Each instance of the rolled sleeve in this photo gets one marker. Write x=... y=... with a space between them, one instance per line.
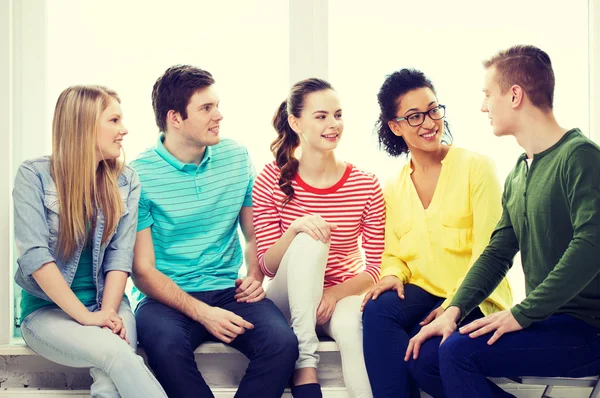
x=119 y=253
x=31 y=225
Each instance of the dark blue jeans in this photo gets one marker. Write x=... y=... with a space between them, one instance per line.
x=388 y=324
x=169 y=339
x=559 y=346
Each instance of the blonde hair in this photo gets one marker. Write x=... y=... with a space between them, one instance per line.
x=83 y=184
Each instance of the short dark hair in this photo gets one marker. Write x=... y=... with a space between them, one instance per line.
x=394 y=87
x=173 y=90
x=528 y=67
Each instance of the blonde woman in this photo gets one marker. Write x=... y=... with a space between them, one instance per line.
x=75 y=224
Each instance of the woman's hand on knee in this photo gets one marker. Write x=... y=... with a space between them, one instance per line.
x=315 y=226
x=390 y=282
x=326 y=307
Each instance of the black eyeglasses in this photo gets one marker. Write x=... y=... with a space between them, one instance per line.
x=417 y=118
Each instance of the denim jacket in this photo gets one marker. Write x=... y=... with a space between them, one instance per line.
x=36 y=229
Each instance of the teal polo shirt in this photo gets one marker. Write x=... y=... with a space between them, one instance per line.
x=193 y=213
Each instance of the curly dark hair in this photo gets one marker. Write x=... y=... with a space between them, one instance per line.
x=394 y=87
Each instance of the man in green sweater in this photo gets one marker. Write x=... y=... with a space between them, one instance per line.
x=551 y=213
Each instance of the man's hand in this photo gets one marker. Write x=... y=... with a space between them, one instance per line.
x=249 y=290
x=433 y=315
x=443 y=326
x=223 y=324
x=500 y=323
x=326 y=307
x=390 y=282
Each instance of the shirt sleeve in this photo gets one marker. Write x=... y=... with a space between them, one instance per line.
x=492 y=265
x=579 y=264
x=145 y=219
x=32 y=235
x=267 y=220
x=373 y=227
x=486 y=205
x=251 y=177
x=391 y=263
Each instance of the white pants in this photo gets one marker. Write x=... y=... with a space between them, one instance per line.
x=297 y=290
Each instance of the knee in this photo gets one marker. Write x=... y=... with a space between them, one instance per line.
x=346 y=329
x=427 y=363
x=307 y=245
x=284 y=347
x=382 y=308
x=118 y=356
x=454 y=350
x=161 y=343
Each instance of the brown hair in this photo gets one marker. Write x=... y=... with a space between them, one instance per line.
x=173 y=90
x=83 y=185
x=287 y=140
x=528 y=67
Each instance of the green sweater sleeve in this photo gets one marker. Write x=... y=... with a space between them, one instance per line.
x=579 y=264
x=491 y=267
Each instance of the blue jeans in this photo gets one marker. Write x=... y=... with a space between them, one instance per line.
x=169 y=339
x=559 y=346
x=115 y=367
x=388 y=324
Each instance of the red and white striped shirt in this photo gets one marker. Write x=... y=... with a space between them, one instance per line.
x=355 y=204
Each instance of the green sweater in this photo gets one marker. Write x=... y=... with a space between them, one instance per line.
x=551 y=212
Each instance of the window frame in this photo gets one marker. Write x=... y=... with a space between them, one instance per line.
x=23 y=76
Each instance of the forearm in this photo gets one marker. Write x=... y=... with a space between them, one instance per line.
x=251 y=257
x=54 y=285
x=161 y=288
x=487 y=272
x=275 y=253
x=453 y=313
x=356 y=285
x=114 y=287
x=570 y=276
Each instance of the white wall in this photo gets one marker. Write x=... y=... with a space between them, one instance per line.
x=5 y=167
x=353 y=45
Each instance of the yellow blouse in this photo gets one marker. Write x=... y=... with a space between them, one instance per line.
x=434 y=248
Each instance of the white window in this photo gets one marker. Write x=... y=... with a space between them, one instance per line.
x=255 y=48
x=448 y=41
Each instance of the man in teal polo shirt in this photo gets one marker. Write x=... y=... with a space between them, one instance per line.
x=551 y=214
x=196 y=190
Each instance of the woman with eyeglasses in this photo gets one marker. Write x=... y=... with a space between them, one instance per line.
x=440 y=212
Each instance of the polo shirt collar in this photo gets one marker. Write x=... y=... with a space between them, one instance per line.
x=173 y=161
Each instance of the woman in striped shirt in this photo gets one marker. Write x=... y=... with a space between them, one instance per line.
x=312 y=215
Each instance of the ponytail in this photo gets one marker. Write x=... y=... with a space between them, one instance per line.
x=283 y=149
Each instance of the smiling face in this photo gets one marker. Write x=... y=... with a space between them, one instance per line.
x=110 y=132
x=320 y=125
x=426 y=137
x=201 y=127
